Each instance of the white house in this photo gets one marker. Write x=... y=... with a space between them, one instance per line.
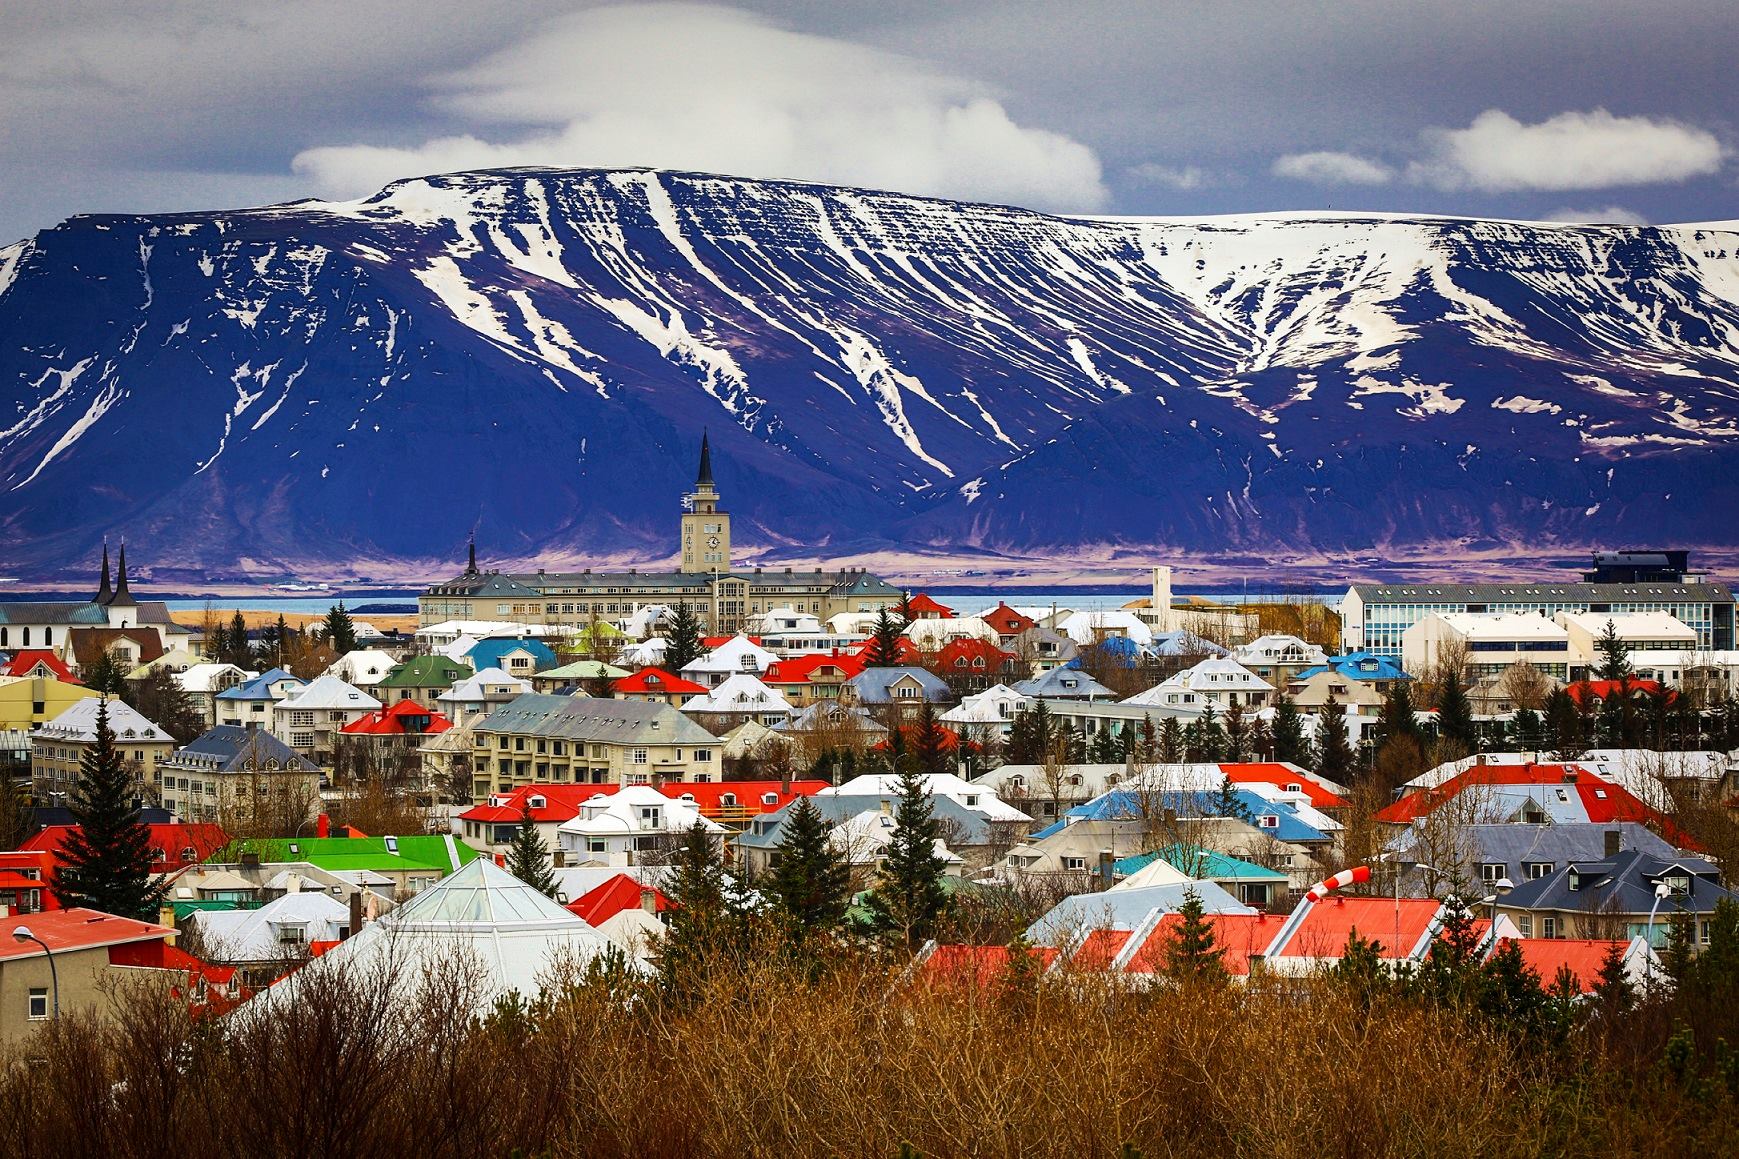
x=1090 y=627
x=633 y=824
x=1277 y=658
x=481 y=692
x=738 y=654
x=281 y=930
x=309 y=720
x=203 y=682
x=983 y=713
x=364 y=667
x=1487 y=643
x=1219 y=681
x=740 y=695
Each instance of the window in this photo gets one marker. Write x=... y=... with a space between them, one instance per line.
x=597 y=845
x=1492 y=871
x=1548 y=927
x=1295 y=787
x=638 y=756
x=1074 y=863
x=1525 y=925
x=289 y=935
x=38 y=1003
x=703 y=754
x=1537 y=869
x=301 y=740
x=1678 y=883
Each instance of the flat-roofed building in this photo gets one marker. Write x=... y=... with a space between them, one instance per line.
x=1485 y=643
x=1655 y=641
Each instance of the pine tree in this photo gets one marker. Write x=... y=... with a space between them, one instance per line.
x=1291 y=746
x=1229 y=804
x=17 y=823
x=159 y=698
x=884 y=645
x=1397 y=715
x=236 y=649
x=909 y=899
x=930 y=742
x=706 y=926
x=1103 y=749
x=1237 y=735
x=340 y=632
x=1261 y=740
x=106 y=675
x=1565 y=726
x=810 y=886
x=1334 y=752
x=1148 y=750
x=682 y=640
x=1614 y=655
x=1529 y=730
x=528 y=857
x=1171 y=741
x=106 y=859
x=1192 y=956
x=1455 y=715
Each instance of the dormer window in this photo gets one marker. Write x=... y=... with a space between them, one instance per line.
x=1294 y=787
x=1678 y=883
x=1268 y=821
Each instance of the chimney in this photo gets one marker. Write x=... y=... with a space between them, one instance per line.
x=1480 y=759
x=250 y=860
x=1614 y=841
x=323 y=826
x=354 y=926
x=649 y=899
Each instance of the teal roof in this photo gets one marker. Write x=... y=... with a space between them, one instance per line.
x=1198 y=862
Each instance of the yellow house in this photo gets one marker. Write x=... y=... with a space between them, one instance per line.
x=31 y=701
x=57 y=748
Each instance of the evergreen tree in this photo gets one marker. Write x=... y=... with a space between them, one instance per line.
x=1229 y=804
x=1237 y=735
x=930 y=742
x=159 y=698
x=340 y=632
x=106 y=675
x=1334 y=752
x=236 y=649
x=1614 y=655
x=1455 y=715
x=1192 y=956
x=1148 y=750
x=1397 y=715
x=1104 y=749
x=810 y=886
x=1291 y=746
x=884 y=644
x=909 y=900
x=682 y=640
x=1530 y=731
x=706 y=926
x=17 y=824
x=528 y=857
x=1204 y=739
x=1261 y=740
x=1171 y=741
x=106 y=860
x=1565 y=726
x=903 y=609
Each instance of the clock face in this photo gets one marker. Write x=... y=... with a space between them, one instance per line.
x=713 y=542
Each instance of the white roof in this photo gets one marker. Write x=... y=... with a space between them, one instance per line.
x=1501 y=626
x=364 y=667
x=1215 y=674
x=327 y=692
x=739 y=693
x=489 y=682
x=459 y=648
x=931 y=635
x=1633 y=625
x=645 y=618
x=1159 y=871
x=1277 y=647
x=202 y=677
x=863 y=836
x=484 y=628
x=1086 y=627
x=252 y=935
x=984 y=707
x=853 y=623
x=646 y=654
x=738 y=654
x=78 y=722
x=618 y=814
x=983 y=798
x=776 y=621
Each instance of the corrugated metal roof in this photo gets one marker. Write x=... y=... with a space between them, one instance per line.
x=585 y=718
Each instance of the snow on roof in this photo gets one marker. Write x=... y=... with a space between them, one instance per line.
x=489 y=682
x=736 y=654
x=363 y=667
x=1086 y=627
x=78 y=722
x=619 y=813
x=203 y=677
x=329 y=692
x=739 y=693
x=1501 y=625
x=979 y=798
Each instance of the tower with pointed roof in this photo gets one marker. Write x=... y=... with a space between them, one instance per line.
x=104 y=593
x=123 y=608
x=706 y=529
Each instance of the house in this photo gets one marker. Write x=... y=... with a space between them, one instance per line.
x=245 y=774
x=1630 y=894
x=975 y=967
x=1277 y=658
x=389 y=736
x=1243 y=938
x=628 y=912
x=174 y=846
x=827 y=724
x=24 y=878
x=483 y=693
x=1485 y=643
x=1252 y=884
x=862 y=840
x=1007 y=623
x=986 y=715
x=971 y=665
x=1584 y=959
x=37 y=664
x=1063 y=683
x=364 y=667
x=515 y=936
x=1047 y=791
x=656 y=686
x=28 y=702
x=922 y=607
x=814 y=678
x=279 y=935
x=131 y=647
x=738 y=698
x=311 y=719
x=1073 y=917
x=538 y=738
x=1504 y=692
x=902 y=690
x=1517 y=852
x=1654 y=641
x=1593 y=694
x=637 y=823
x=734 y=655
x=1218 y=681
x=92 y=953
x=1366 y=667
x=516 y=657
x=404 y=865
x=1317 y=932
x=58 y=747
x=204 y=682
x=251 y=702
x=1041 y=648
x=578 y=675
x=1490 y=793
x=422 y=678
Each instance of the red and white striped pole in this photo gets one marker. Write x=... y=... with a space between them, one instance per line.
x=1357 y=875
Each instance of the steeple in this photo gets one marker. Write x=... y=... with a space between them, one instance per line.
x=471 y=557
x=705 y=476
x=122 y=597
x=104 y=593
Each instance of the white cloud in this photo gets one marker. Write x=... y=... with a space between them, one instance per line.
x=1608 y=215
x=715 y=89
x=1573 y=150
x=1183 y=177
x=1328 y=168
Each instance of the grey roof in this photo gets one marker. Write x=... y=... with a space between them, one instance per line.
x=586 y=718
x=766 y=831
x=1064 y=684
x=871 y=685
x=1517 y=845
x=228 y=747
x=1126 y=908
x=549 y=583
x=863 y=584
x=826 y=714
x=1546 y=593
x=1622 y=884
x=68 y=612
x=486 y=584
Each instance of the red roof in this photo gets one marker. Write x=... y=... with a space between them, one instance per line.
x=619 y=893
x=922 y=605
x=170 y=841
x=712 y=642
x=25 y=659
x=905 y=651
x=1601 y=689
x=1098 y=948
x=656 y=681
x=406 y=718
x=78 y=929
x=1281 y=775
x=968 y=654
x=909 y=733
x=1604 y=801
x=12 y=881
x=802 y=669
x=1584 y=957
x=977 y=965
x=1007 y=621
x=1327 y=925
x=1242 y=936
x=749 y=796
x=26 y=870
x=562 y=802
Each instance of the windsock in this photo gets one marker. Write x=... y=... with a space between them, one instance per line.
x=1341 y=880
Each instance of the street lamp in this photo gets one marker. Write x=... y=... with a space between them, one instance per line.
x=22 y=934
x=1662 y=891
x=1396 y=858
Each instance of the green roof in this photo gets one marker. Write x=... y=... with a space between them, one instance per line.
x=583 y=670
x=426 y=672
x=1204 y=864
x=342 y=854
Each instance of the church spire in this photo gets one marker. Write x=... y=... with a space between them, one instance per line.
x=122 y=597
x=705 y=476
x=105 y=593
x=471 y=557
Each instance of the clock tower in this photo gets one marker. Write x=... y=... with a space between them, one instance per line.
x=706 y=530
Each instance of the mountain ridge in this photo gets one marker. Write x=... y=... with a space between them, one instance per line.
x=325 y=386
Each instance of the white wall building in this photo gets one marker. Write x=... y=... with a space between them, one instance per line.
x=629 y=826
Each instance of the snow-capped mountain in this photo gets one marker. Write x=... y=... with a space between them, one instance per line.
x=535 y=353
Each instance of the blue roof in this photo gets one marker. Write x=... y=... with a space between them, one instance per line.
x=1181 y=643
x=1120 y=804
x=259 y=688
x=1365 y=666
x=488 y=653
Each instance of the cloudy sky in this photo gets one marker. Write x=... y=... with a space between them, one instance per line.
x=1602 y=110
